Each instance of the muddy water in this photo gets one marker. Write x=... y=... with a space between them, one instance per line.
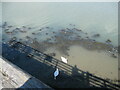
x=89 y=17
x=98 y=63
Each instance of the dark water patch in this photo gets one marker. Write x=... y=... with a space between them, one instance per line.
x=61 y=39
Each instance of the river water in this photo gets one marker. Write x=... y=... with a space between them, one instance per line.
x=90 y=17
x=98 y=63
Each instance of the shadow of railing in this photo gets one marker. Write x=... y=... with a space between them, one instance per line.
x=87 y=78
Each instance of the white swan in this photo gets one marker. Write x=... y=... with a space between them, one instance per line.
x=64 y=59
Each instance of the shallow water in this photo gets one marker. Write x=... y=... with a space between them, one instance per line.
x=90 y=17
x=98 y=63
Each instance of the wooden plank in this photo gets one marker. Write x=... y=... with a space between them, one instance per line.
x=14 y=77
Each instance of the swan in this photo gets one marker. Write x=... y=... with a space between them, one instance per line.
x=64 y=59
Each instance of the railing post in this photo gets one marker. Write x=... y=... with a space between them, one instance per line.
x=105 y=84
x=87 y=78
x=56 y=64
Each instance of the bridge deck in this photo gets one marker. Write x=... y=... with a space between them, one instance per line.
x=13 y=77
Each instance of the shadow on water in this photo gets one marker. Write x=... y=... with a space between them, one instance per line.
x=75 y=71
x=43 y=66
x=48 y=58
x=41 y=70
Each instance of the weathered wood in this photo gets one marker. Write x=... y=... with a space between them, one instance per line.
x=13 y=77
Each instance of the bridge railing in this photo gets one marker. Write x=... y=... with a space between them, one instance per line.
x=88 y=78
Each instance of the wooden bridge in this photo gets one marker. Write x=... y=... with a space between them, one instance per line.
x=75 y=73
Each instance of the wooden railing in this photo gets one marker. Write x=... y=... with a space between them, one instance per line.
x=88 y=78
